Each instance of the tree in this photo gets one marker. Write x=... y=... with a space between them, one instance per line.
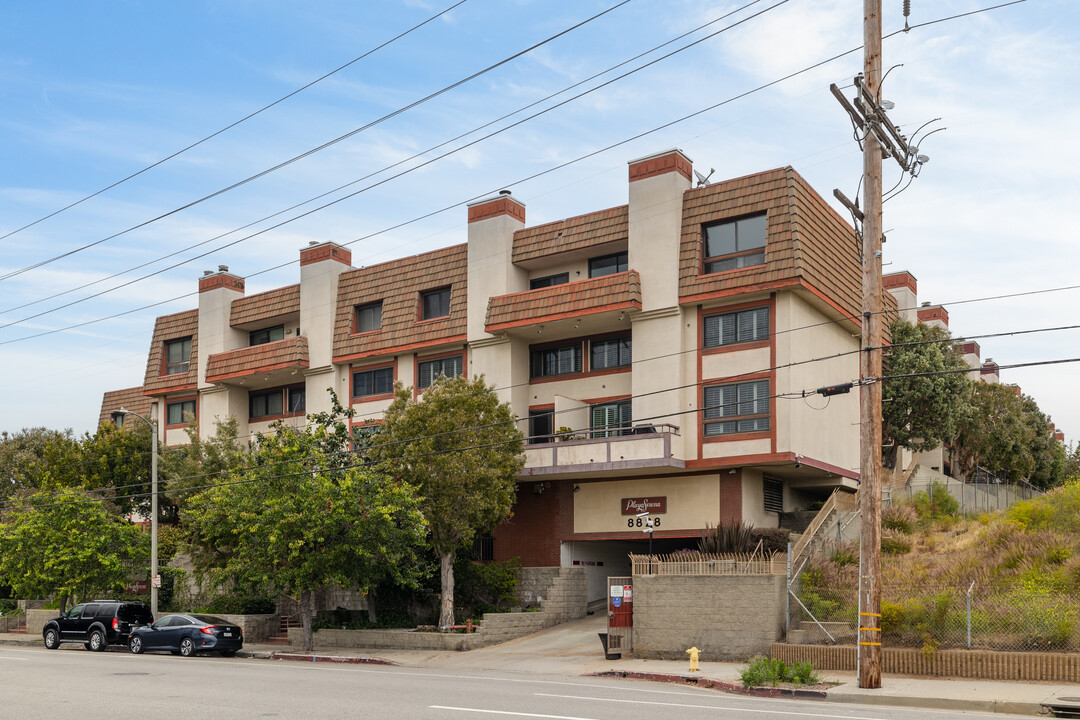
x=63 y=543
x=117 y=462
x=304 y=516
x=994 y=435
x=460 y=446
x=187 y=468
x=28 y=456
x=1050 y=464
x=920 y=413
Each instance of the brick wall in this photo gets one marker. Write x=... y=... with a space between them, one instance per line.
x=539 y=524
x=727 y=618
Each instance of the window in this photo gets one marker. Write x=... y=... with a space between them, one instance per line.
x=175 y=411
x=297 y=400
x=266 y=335
x=369 y=317
x=436 y=303
x=608 y=264
x=774 y=495
x=543 y=282
x=428 y=370
x=266 y=404
x=177 y=356
x=550 y=361
x=737 y=408
x=735 y=244
x=737 y=327
x=606 y=354
x=610 y=419
x=272 y=403
x=373 y=382
x=540 y=426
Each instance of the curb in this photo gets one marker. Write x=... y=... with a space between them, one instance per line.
x=304 y=657
x=735 y=688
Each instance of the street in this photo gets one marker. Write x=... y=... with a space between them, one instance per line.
x=117 y=685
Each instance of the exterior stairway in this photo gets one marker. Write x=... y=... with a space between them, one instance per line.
x=282 y=638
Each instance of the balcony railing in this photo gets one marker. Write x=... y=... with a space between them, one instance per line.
x=603 y=450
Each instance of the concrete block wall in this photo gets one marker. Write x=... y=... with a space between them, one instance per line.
x=533 y=584
x=567 y=596
x=36 y=619
x=256 y=628
x=731 y=617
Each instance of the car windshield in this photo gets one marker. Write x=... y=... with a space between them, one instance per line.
x=210 y=619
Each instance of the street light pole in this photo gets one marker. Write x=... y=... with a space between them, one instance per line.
x=153 y=508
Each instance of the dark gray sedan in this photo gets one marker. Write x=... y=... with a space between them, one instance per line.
x=186 y=635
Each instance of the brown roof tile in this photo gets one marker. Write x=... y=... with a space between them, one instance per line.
x=807 y=238
x=398 y=285
x=172 y=327
x=130 y=399
x=289 y=353
x=265 y=306
x=584 y=297
x=583 y=231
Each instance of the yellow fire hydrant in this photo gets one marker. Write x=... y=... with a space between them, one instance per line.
x=693 y=653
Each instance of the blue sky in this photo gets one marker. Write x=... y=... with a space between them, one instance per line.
x=94 y=91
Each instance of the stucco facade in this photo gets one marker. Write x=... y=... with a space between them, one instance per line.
x=665 y=349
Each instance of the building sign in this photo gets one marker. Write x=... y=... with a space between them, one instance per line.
x=633 y=506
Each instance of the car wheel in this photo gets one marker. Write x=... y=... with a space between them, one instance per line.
x=52 y=639
x=228 y=653
x=187 y=647
x=135 y=645
x=97 y=641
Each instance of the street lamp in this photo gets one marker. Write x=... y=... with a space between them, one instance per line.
x=153 y=508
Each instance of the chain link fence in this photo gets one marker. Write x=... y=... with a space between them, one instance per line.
x=989 y=494
x=1022 y=618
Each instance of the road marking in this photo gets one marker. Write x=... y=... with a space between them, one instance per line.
x=708 y=707
x=507 y=712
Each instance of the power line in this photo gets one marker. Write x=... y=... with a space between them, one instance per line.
x=389 y=167
x=314 y=150
x=224 y=129
x=457 y=204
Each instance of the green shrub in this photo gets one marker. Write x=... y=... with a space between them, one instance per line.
x=772 y=539
x=844 y=555
x=771 y=672
x=486 y=587
x=725 y=539
x=935 y=503
x=9 y=606
x=899 y=518
x=892 y=545
x=241 y=605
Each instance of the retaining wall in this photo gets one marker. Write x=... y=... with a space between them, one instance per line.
x=732 y=617
x=563 y=599
x=981 y=664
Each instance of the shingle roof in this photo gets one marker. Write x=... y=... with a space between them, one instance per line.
x=130 y=399
x=265 y=306
x=583 y=231
x=290 y=352
x=584 y=297
x=806 y=238
x=398 y=285
x=172 y=327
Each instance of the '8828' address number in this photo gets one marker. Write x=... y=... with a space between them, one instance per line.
x=638 y=522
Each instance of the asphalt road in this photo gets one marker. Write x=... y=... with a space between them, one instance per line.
x=74 y=683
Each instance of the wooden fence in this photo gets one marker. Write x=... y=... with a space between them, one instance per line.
x=688 y=564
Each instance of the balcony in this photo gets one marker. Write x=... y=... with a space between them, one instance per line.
x=596 y=298
x=584 y=452
x=263 y=365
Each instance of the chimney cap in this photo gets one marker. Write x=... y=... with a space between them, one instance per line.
x=505 y=192
x=207 y=272
x=312 y=243
x=223 y=268
x=926 y=303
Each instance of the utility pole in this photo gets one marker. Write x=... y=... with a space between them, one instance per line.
x=870 y=368
x=880 y=139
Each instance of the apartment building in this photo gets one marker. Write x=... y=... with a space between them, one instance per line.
x=656 y=353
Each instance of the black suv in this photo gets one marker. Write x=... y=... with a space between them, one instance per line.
x=97 y=624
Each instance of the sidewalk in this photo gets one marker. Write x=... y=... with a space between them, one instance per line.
x=573 y=649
